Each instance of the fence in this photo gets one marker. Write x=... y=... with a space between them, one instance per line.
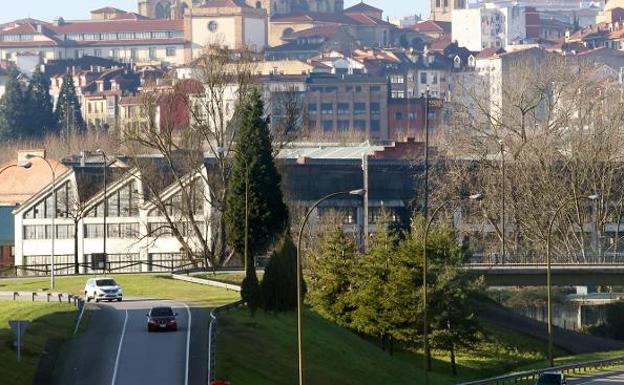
x=530 y=376
x=61 y=269
x=212 y=334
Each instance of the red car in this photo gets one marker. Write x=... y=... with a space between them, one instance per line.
x=161 y=318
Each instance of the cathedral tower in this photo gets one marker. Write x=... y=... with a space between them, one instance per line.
x=441 y=10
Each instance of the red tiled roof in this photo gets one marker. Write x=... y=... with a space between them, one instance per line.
x=326 y=31
x=104 y=26
x=17 y=184
x=129 y=16
x=489 y=52
x=173 y=41
x=364 y=19
x=431 y=26
x=362 y=7
x=440 y=44
x=313 y=17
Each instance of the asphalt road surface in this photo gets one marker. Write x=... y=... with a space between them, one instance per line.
x=605 y=378
x=116 y=348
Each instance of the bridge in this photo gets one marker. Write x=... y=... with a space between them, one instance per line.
x=568 y=274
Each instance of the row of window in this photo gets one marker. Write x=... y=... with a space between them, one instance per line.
x=330 y=89
x=114 y=230
x=343 y=108
x=345 y=125
x=145 y=35
x=46 y=231
x=45 y=208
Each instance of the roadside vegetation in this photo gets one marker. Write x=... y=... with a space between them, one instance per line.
x=134 y=285
x=52 y=324
x=336 y=355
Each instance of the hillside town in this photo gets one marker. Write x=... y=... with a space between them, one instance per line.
x=434 y=192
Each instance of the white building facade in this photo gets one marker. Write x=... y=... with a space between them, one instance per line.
x=139 y=236
x=489 y=26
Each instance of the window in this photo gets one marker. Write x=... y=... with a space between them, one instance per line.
x=93 y=230
x=397 y=94
x=375 y=108
x=152 y=53
x=411 y=116
x=171 y=51
x=398 y=116
x=358 y=88
x=133 y=53
x=423 y=78
x=397 y=79
x=35 y=232
x=375 y=126
x=312 y=108
x=97 y=53
x=328 y=125
x=343 y=125
x=343 y=108
x=375 y=88
x=360 y=124
x=212 y=26
x=359 y=108
x=327 y=109
x=331 y=89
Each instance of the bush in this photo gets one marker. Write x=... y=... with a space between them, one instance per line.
x=279 y=285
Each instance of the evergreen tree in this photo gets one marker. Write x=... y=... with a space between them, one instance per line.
x=279 y=284
x=268 y=214
x=332 y=276
x=14 y=122
x=40 y=105
x=68 y=115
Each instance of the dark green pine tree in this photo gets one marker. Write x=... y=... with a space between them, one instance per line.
x=268 y=214
x=279 y=284
x=42 y=119
x=14 y=122
x=68 y=116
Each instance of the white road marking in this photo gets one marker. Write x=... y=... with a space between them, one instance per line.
x=188 y=344
x=123 y=333
x=84 y=304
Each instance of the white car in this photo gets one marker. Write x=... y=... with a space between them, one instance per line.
x=103 y=289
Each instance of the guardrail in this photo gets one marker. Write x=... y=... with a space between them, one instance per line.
x=208 y=282
x=530 y=376
x=212 y=334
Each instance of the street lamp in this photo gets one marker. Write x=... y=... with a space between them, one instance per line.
x=359 y=192
x=426 y=365
x=222 y=150
x=563 y=204
x=28 y=165
x=502 y=151
x=426 y=203
x=105 y=232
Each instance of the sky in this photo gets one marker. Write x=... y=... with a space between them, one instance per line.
x=48 y=10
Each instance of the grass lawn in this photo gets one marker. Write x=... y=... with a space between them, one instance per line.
x=263 y=351
x=50 y=321
x=134 y=285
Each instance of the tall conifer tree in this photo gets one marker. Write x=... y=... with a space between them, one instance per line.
x=42 y=120
x=68 y=115
x=13 y=109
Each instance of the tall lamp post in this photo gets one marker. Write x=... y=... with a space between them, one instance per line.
x=425 y=290
x=426 y=203
x=502 y=151
x=222 y=150
x=359 y=192
x=105 y=232
x=563 y=204
x=53 y=236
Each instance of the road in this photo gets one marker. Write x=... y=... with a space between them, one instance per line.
x=605 y=378
x=116 y=348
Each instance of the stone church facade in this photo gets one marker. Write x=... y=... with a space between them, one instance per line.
x=175 y=9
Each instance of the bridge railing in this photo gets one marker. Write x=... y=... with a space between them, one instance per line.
x=530 y=376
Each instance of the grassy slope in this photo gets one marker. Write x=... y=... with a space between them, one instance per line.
x=50 y=321
x=134 y=285
x=263 y=351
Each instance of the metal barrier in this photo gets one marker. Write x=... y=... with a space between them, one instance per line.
x=530 y=376
x=212 y=334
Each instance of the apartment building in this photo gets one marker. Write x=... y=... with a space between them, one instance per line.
x=347 y=103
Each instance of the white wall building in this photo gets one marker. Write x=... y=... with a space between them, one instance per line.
x=139 y=237
x=489 y=26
